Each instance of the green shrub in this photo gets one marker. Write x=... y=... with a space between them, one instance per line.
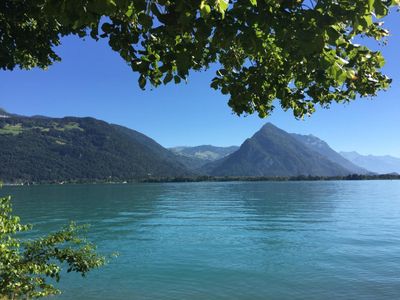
x=26 y=267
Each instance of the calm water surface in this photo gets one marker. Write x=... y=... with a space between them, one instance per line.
x=263 y=240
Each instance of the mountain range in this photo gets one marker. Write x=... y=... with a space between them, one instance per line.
x=43 y=149
x=195 y=157
x=385 y=164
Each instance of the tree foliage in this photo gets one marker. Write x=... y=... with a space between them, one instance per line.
x=27 y=266
x=300 y=52
x=48 y=150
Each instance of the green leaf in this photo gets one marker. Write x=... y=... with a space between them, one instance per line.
x=371 y=5
x=381 y=9
x=253 y=2
x=168 y=78
x=106 y=27
x=221 y=6
x=380 y=59
x=142 y=81
x=129 y=12
x=145 y=20
x=205 y=9
x=177 y=79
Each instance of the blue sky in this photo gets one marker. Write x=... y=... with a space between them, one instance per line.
x=93 y=81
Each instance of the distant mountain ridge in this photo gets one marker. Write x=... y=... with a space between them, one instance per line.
x=274 y=152
x=197 y=156
x=4 y=113
x=379 y=164
x=206 y=152
x=66 y=149
x=321 y=147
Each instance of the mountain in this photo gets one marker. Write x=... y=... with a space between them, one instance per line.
x=274 y=152
x=378 y=164
x=38 y=149
x=4 y=114
x=205 y=152
x=321 y=147
x=196 y=157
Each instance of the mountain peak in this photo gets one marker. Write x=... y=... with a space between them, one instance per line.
x=269 y=129
x=274 y=152
x=4 y=113
x=351 y=152
x=269 y=125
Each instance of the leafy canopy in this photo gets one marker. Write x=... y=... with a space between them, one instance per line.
x=26 y=267
x=298 y=52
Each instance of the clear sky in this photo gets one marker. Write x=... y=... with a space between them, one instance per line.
x=94 y=81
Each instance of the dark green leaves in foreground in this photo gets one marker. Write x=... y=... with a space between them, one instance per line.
x=26 y=267
x=299 y=52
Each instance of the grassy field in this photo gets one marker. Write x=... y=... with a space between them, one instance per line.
x=12 y=129
x=18 y=128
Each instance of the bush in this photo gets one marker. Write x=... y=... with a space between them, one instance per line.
x=27 y=266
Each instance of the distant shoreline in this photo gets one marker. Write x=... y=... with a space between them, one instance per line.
x=213 y=179
x=272 y=178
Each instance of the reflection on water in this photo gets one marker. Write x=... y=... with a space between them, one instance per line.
x=261 y=240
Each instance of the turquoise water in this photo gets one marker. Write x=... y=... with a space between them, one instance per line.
x=262 y=240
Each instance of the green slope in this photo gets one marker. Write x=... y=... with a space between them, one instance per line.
x=40 y=149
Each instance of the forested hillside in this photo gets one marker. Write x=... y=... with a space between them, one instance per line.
x=41 y=149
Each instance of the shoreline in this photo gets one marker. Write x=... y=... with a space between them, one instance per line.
x=212 y=179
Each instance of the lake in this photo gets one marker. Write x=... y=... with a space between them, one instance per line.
x=239 y=240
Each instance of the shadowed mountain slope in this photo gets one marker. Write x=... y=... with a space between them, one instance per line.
x=321 y=147
x=274 y=152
